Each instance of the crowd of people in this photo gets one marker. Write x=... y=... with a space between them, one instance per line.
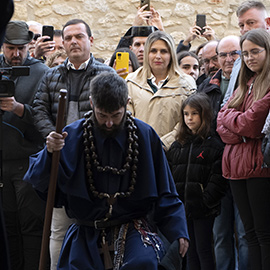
x=161 y=170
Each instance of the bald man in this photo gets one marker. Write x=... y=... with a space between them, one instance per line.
x=210 y=59
x=220 y=57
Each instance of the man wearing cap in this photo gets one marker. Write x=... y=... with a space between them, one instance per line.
x=136 y=35
x=23 y=209
x=135 y=39
x=7 y=10
x=139 y=35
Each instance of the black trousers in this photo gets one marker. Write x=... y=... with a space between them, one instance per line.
x=24 y=217
x=252 y=197
x=200 y=255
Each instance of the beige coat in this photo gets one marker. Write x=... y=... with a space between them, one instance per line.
x=161 y=110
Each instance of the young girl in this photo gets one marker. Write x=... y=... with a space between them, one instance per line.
x=195 y=162
x=239 y=124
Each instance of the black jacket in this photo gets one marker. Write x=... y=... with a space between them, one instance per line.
x=20 y=136
x=46 y=101
x=6 y=13
x=211 y=86
x=197 y=172
x=181 y=47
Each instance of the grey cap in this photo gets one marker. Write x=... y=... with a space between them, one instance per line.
x=17 y=33
x=142 y=31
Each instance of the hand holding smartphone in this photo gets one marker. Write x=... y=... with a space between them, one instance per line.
x=48 y=30
x=201 y=22
x=122 y=61
x=145 y=2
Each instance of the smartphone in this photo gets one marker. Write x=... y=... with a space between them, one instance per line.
x=144 y=2
x=122 y=61
x=201 y=21
x=48 y=30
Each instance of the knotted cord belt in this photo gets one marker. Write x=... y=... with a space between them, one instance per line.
x=101 y=224
x=117 y=248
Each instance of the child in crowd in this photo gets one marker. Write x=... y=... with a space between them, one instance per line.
x=239 y=125
x=195 y=162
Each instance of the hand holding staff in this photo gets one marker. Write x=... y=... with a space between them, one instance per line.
x=52 y=184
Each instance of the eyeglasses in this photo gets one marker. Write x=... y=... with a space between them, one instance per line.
x=232 y=54
x=206 y=61
x=253 y=52
x=36 y=36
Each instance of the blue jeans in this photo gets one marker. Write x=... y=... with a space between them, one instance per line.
x=224 y=229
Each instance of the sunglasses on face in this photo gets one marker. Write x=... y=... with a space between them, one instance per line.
x=36 y=36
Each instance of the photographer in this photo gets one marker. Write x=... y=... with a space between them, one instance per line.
x=7 y=11
x=23 y=209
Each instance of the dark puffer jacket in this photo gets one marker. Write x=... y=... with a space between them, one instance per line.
x=196 y=169
x=46 y=100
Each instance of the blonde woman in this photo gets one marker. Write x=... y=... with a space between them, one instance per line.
x=158 y=88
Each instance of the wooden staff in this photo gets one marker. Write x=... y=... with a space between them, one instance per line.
x=52 y=184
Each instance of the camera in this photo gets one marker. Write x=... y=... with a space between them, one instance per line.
x=7 y=87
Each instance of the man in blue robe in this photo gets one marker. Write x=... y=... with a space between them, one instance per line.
x=115 y=182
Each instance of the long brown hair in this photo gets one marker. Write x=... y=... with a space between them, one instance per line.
x=261 y=85
x=201 y=103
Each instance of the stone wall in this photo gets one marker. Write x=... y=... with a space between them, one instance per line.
x=110 y=19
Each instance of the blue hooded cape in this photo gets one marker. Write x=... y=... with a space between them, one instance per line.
x=154 y=192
